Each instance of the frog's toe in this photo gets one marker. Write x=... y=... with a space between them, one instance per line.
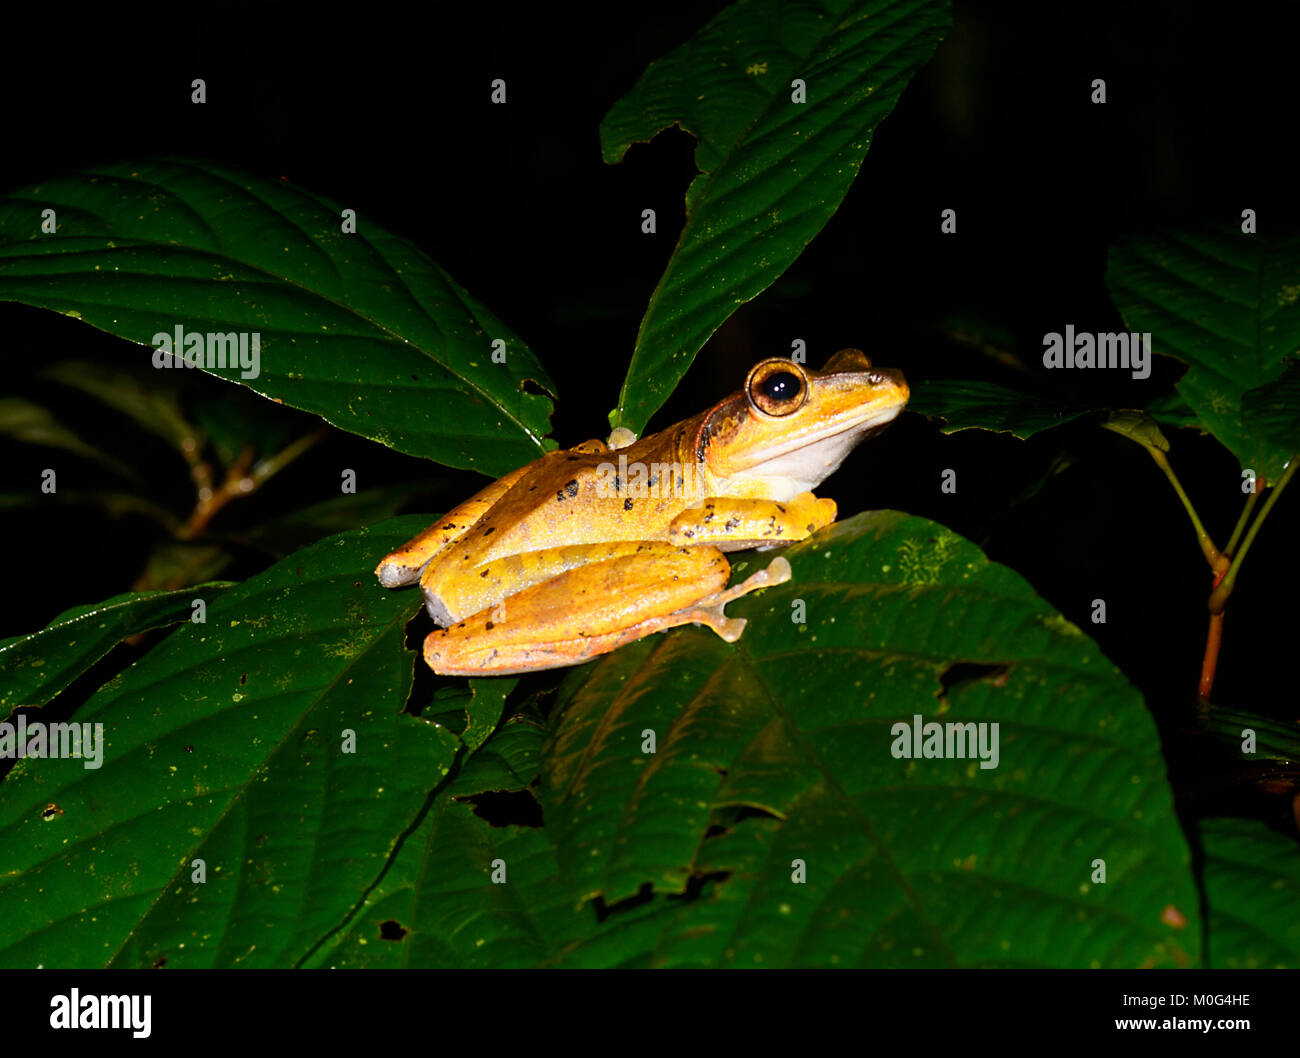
x=778 y=572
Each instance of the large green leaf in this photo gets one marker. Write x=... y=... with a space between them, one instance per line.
x=1252 y=888
x=38 y=666
x=777 y=749
x=363 y=329
x=1228 y=304
x=227 y=744
x=772 y=171
x=1273 y=410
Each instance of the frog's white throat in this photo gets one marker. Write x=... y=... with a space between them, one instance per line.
x=786 y=474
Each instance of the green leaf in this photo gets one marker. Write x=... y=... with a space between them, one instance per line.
x=971 y=405
x=1226 y=303
x=1252 y=887
x=482 y=702
x=776 y=751
x=363 y=329
x=1138 y=427
x=1274 y=740
x=151 y=407
x=306 y=525
x=1173 y=411
x=229 y=743
x=772 y=171
x=40 y=665
x=1273 y=410
x=508 y=761
x=31 y=424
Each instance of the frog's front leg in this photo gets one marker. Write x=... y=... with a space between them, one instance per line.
x=596 y=608
x=732 y=524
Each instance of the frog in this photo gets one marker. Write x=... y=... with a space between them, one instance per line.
x=587 y=549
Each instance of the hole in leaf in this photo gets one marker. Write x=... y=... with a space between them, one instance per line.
x=642 y=896
x=506 y=808
x=534 y=388
x=960 y=672
x=695 y=886
x=392 y=930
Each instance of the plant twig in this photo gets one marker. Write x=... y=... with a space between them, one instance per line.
x=1212 y=554
x=242 y=478
x=1224 y=587
x=1210 y=662
x=1240 y=527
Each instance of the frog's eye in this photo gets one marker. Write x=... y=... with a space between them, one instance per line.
x=777 y=387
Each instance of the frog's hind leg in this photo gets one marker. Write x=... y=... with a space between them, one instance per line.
x=596 y=608
x=709 y=611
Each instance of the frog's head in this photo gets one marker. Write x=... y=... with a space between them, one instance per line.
x=790 y=429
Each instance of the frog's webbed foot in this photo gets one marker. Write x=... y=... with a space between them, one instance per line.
x=710 y=610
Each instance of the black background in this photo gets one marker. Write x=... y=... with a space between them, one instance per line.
x=388 y=112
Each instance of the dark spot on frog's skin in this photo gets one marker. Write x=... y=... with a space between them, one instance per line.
x=780 y=508
x=681 y=484
x=708 y=518
x=489 y=626
x=485 y=573
x=243 y=679
x=532 y=488
x=618 y=483
x=627 y=505
x=688 y=533
x=448 y=527
x=573 y=459
x=489 y=530
x=731 y=523
x=811 y=529
x=654 y=481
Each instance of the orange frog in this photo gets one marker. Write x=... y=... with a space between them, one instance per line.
x=589 y=548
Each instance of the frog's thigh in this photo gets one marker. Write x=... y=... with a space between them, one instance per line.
x=592 y=610
x=733 y=523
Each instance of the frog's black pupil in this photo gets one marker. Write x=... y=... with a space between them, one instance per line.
x=781 y=386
